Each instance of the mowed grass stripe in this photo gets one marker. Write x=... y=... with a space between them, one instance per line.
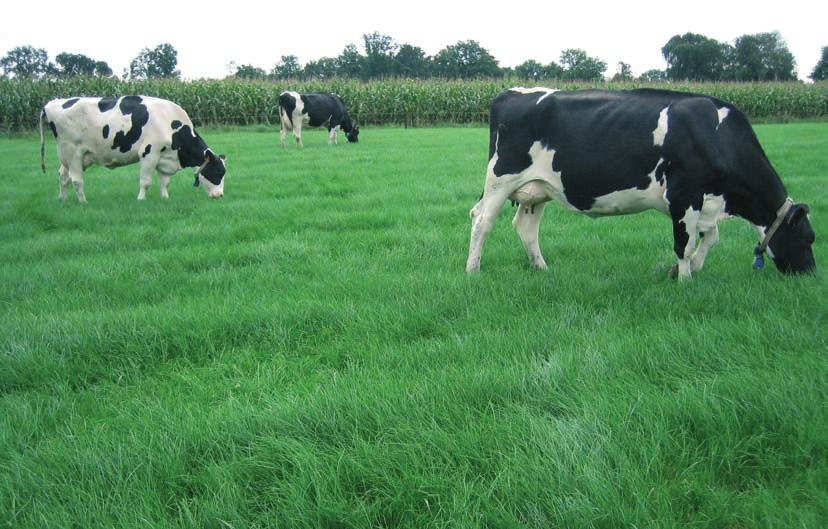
x=307 y=352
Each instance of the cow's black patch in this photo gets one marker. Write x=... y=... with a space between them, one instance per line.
x=190 y=147
x=133 y=107
x=164 y=148
x=146 y=151
x=70 y=102
x=214 y=170
x=175 y=124
x=602 y=143
x=105 y=131
x=288 y=104
x=54 y=129
x=107 y=103
x=193 y=152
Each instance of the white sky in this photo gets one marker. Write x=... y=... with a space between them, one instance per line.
x=208 y=37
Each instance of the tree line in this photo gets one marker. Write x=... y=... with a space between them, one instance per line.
x=689 y=57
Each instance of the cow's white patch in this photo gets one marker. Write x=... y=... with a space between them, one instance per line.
x=535 y=90
x=660 y=131
x=723 y=112
x=712 y=211
x=540 y=182
x=633 y=200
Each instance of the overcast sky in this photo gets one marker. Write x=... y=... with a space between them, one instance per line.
x=209 y=37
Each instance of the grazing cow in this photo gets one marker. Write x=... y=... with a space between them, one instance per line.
x=317 y=110
x=113 y=132
x=692 y=157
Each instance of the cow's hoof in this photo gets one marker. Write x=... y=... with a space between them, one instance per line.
x=673 y=272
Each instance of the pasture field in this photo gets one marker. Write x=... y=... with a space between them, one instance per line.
x=308 y=351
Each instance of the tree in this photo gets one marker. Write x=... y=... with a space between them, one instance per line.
x=820 y=71
x=529 y=69
x=287 y=68
x=379 y=55
x=248 y=71
x=102 y=69
x=324 y=68
x=26 y=61
x=159 y=62
x=351 y=63
x=465 y=60
x=72 y=64
x=653 y=76
x=623 y=73
x=411 y=61
x=533 y=70
x=762 y=57
x=581 y=67
x=695 y=57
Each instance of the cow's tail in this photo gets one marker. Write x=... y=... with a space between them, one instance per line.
x=42 y=142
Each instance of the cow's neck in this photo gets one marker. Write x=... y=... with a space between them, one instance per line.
x=759 y=202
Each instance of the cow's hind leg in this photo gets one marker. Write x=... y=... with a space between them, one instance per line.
x=527 y=223
x=483 y=215
x=74 y=171
x=283 y=127
x=63 y=175
x=297 y=132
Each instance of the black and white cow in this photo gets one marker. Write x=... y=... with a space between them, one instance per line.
x=317 y=110
x=692 y=157
x=113 y=132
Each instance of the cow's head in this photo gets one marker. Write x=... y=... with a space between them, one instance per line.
x=790 y=246
x=353 y=134
x=211 y=174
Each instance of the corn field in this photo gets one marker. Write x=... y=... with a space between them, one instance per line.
x=401 y=102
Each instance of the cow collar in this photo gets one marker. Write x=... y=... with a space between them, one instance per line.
x=758 y=252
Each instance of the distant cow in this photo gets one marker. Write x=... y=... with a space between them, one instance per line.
x=112 y=132
x=317 y=110
x=692 y=157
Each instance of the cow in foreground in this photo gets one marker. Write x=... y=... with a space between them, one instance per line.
x=692 y=157
x=113 y=132
x=317 y=110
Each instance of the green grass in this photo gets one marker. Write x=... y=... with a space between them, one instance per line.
x=308 y=352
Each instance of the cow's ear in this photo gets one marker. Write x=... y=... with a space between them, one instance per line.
x=222 y=157
x=798 y=212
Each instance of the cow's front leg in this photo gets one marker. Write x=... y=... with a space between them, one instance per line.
x=164 y=181
x=483 y=215
x=685 y=220
x=145 y=179
x=526 y=223
x=709 y=239
x=332 y=136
